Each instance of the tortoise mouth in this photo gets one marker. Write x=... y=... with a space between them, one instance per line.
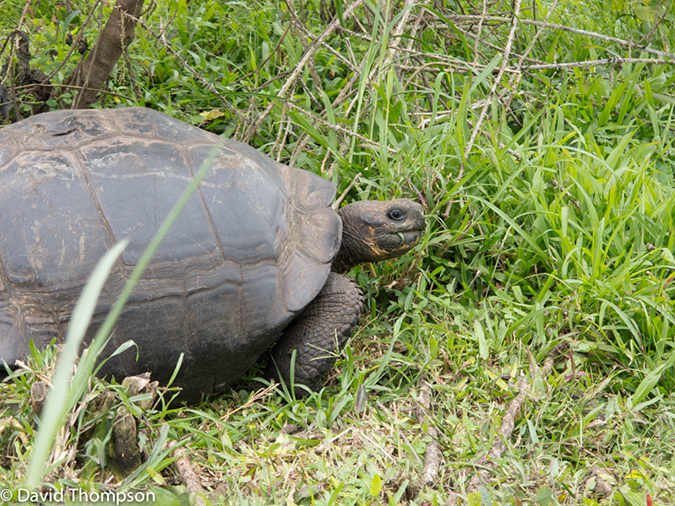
x=406 y=237
x=393 y=244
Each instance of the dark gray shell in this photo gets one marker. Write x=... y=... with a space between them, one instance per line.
x=251 y=249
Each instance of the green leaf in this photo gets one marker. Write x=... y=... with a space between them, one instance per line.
x=376 y=485
x=483 y=350
x=544 y=496
x=433 y=347
x=340 y=11
x=649 y=382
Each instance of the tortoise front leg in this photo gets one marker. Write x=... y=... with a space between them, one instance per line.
x=317 y=334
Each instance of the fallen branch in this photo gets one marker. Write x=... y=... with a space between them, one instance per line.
x=339 y=200
x=514 y=80
x=398 y=31
x=342 y=130
x=187 y=473
x=432 y=455
x=259 y=395
x=161 y=37
x=592 y=63
x=504 y=433
x=342 y=96
x=494 y=47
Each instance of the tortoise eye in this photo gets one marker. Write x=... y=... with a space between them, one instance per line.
x=396 y=214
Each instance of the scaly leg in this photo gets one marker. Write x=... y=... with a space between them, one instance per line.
x=317 y=334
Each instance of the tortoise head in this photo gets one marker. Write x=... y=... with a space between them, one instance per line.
x=374 y=231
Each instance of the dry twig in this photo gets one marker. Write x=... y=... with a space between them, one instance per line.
x=595 y=35
x=161 y=37
x=515 y=79
x=593 y=63
x=187 y=473
x=398 y=31
x=94 y=69
x=504 y=433
x=340 y=129
x=488 y=100
x=339 y=200
x=259 y=395
x=342 y=96
x=432 y=455
x=316 y=43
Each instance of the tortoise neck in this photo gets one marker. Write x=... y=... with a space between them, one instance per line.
x=356 y=246
x=341 y=263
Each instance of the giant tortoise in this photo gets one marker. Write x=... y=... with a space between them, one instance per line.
x=257 y=257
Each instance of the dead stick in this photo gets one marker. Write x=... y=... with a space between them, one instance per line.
x=503 y=434
x=398 y=31
x=593 y=63
x=337 y=203
x=338 y=128
x=316 y=43
x=186 y=471
x=514 y=80
x=488 y=101
x=505 y=431
x=432 y=455
x=161 y=38
x=342 y=96
x=564 y=28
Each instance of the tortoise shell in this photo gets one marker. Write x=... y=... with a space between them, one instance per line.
x=250 y=250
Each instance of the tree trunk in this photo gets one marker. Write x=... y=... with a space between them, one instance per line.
x=92 y=72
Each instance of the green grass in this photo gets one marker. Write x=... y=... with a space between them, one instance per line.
x=551 y=239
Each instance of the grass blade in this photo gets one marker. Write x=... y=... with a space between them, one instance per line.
x=56 y=407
